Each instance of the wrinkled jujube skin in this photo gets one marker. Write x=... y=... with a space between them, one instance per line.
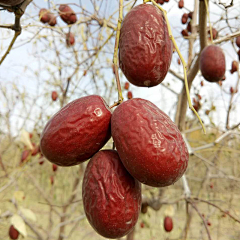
x=212 y=63
x=77 y=131
x=149 y=144
x=111 y=196
x=145 y=49
x=10 y=2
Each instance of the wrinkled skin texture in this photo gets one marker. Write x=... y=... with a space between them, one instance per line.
x=145 y=50
x=149 y=144
x=168 y=224
x=67 y=14
x=111 y=196
x=212 y=63
x=77 y=131
x=10 y=2
x=13 y=233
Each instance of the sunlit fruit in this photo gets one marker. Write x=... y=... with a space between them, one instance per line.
x=126 y=86
x=181 y=4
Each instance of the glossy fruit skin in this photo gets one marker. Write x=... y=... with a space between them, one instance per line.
x=10 y=2
x=111 y=196
x=168 y=224
x=77 y=131
x=212 y=63
x=149 y=144
x=67 y=14
x=145 y=49
x=13 y=233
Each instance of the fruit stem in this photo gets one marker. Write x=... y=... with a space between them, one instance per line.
x=115 y=56
x=210 y=26
x=182 y=60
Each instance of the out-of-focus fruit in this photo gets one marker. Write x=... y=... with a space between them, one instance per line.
x=238 y=41
x=189 y=27
x=30 y=135
x=181 y=4
x=54 y=95
x=111 y=196
x=160 y=2
x=129 y=95
x=144 y=208
x=184 y=33
x=44 y=16
x=77 y=131
x=41 y=162
x=13 y=233
x=70 y=39
x=212 y=63
x=214 y=33
x=145 y=49
x=52 y=20
x=168 y=224
x=142 y=225
x=238 y=54
x=202 y=83
x=208 y=223
x=190 y=15
x=10 y=2
x=35 y=150
x=184 y=18
x=234 y=67
x=67 y=14
x=54 y=167
x=25 y=155
x=149 y=144
x=207 y=112
x=126 y=86
x=179 y=61
x=52 y=180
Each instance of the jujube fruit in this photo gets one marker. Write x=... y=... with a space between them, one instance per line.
x=54 y=167
x=44 y=16
x=214 y=33
x=70 y=39
x=77 y=131
x=10 y=2
x=145 y=49
x=234 y=67
x=54 y=95
x=212 y=63
x=126 y=86
x=181 y=4
x=149 y=144
x=13 y=233
x=111 y=196
x=129 y=95
x=67 y=14
x=52 y=20
x=184 y=18
x=238 y=41
x=168 y=224
x=184 y=33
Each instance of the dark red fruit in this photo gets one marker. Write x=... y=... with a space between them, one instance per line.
x=184 y=33
x=54 y=95
x=179 y=61
x=52 y=20
x=208 y=223
x=44 y=16
x=126 y=86
x=70 y=39
x=168 y=224
x=41 y=162
x=190 y=15
x=52 y=180
x=145 y=49
x=54 y=167
x=13 y=233
x=111 y=196
x=149 y=144
x=181 y=4
x=189 y=27
x=10 y=2
x=67 y=14
x=77 y=131
x=184 y=18
x=234 y=67
x=238 y=41
x=144 y=208
x=35 y=150
x=160 y=2
x=25 y=155
x=129 y=95
x=214 y=33
x=142 y=224
x=212 y=63
x=202 y=83
x=238 y=54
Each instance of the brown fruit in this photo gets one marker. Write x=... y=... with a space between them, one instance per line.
x=212 y=63
x=168 y=224
x=145 y=49
x=160 y=2
x=35 y=150
x=30 y=135
x=234 y=67
x=129 y=95
x=44 y=15
x=70 y=39
x=111 y=196
x=54 y=167
x=67 y=14
x=231 y=90
x=13 y=233
x=52 y=180
x=202 y=83
x=238 y=54
x=179 y=61
x=142 y=225
x=189 y=27
x=54 y=95
x=77 y=131
x=10 y=2
x=181 y=4
x=41 y=162
x=238 y=41
x=214 y=33
x=25 y=155
x=190 y=15
x=184 y=33
x=126 y=86
x=144 y=208
x=149 y=144
x=184 y=18
x=52 y=19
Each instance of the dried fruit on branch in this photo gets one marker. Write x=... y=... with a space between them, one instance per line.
x=111 y=196
x=149 y=144
x=77 y=131
x=145 y=49
x=67 y=14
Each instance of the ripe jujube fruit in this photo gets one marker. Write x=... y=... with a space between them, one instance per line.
x=44 y=16
x=129 y=95
x=111 y=196
x=10 y=2
x=234 y=67
x=67 y=14
x=184 y=18
x=70 y=39
x=149 y=144
x=168 y=224
x=184 y=33
x=54 y=95
x=54 y=167
x=52 y=20
x=214 y=33
x=77 y=131
x=212 y=63
x=126 y=86
x=13 y=233
x=145 y=49
x=238 y=41
x=181 y=4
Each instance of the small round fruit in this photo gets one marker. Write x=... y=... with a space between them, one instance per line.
x=234 y=67
x=25 y=155
x=126 y=85
x=214 y=33
x=70 y=39
x=44 y=16
x=181 y=4
x=129 y=95
x=77 y=131
x=67 y=14
x=10 y=2
x=238 y=41
x=54 y=167
x=212 y=63
x=184 y=33
x=184 y=18
x=111 y=196
x=145 y=49
x=13 y=233
x=149 y=144
x=54 y=95
x=52 y=20
x=168 y=224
